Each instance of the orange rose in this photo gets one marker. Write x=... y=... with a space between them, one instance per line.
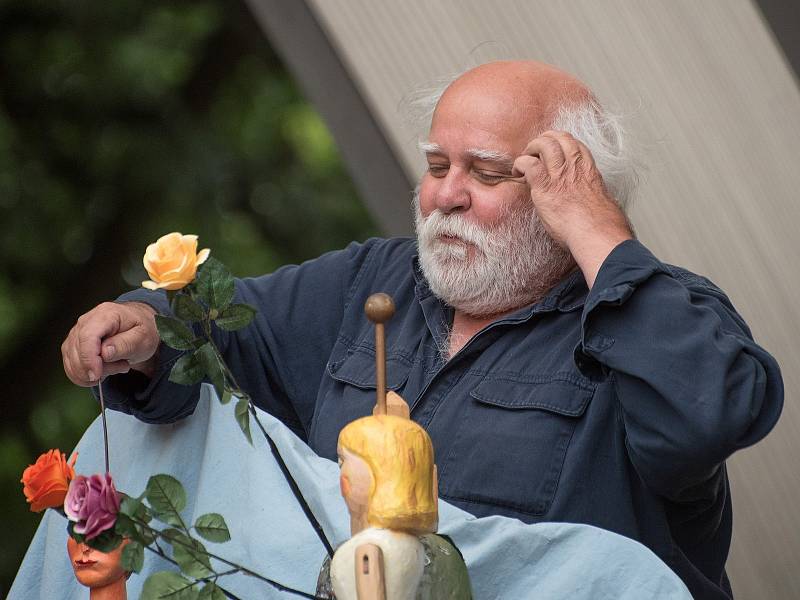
x=172 y=261
x=45 y=483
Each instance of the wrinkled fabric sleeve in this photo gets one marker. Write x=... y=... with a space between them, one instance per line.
x=693 y=386
x=279 y=358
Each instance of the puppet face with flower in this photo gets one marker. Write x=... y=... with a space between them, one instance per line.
x=91 y=503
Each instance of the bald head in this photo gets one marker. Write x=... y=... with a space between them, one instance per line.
x=528 y=92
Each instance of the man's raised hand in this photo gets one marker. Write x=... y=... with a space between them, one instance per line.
x=570 y=199
x=109 y=339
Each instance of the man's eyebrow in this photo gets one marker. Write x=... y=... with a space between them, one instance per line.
x=492 y=155
x=429 y=148
x=479 y=153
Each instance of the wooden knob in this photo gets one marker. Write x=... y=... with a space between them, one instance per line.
x=379 y=307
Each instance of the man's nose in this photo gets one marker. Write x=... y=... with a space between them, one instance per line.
x=453 y=193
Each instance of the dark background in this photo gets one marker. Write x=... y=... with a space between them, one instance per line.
x=120 y=121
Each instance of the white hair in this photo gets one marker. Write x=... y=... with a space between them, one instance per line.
x=605 y=136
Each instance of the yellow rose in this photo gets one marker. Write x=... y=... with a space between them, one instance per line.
x=172 y=261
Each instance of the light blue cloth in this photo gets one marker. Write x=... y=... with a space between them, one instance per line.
x=222 y=473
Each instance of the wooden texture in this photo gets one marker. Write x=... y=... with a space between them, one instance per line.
x=369 y=573
x=718 y=111
x=379 y=308
x=395 y=406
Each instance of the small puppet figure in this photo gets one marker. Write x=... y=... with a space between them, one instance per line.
x=389 y=483
x=101 y=572
x=388 y=480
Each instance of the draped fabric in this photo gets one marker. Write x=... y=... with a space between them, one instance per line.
x=270 y=535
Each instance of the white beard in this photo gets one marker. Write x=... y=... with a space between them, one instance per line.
x=488 y=272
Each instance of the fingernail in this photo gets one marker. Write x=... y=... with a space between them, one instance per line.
x=110 y=351
x=91 y=376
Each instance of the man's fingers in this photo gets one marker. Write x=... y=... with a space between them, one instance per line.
x=116 y=367
x=76 y=373
x=586 y=155
x=130 y=346
x=549 y=151
x=569 y=145
x=529 y=166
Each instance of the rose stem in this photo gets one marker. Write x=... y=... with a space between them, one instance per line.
x=105 y=426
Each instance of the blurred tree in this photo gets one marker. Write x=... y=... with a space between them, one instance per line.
x=120 y=121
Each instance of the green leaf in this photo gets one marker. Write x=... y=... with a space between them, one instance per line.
x=210 y=591
x=168 y=585
x=106 y=541
x=185 y=307
x=171 y=533
x=212 y=527
x=71 y=532
x=132 y=557
x=214 y=284
x=167 y=497
x=134 y=508
x=191 y=557
x=126 y=527
x=243 y=418
x=235 y=317
x=226 y=396
x=187 y=370
x=175 y=333
x=130 y=506
x=207 y=358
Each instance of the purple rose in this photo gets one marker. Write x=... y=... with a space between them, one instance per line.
x=92 y=503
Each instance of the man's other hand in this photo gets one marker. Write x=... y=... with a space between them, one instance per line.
x=571 y=200
x=109 y=339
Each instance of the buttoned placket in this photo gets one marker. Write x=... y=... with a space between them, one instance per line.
x=445 y=375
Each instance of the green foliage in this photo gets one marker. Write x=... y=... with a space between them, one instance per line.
x=242 y=413
x=207 y=357
x=191 y=556
x=214 y=284
x=186 y=308
x=105 y=542
x=212 y=527
x=235 y=317
x=210 y=591
x=187 y=370
x=167 y=498
x=132 y=558
x=174 y=333
x=168 y=585
x=121 y=121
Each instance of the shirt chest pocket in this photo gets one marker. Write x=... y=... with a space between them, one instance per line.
x=512 y=441
x=348 y=393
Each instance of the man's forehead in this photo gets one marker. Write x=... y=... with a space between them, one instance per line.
x=503 y=105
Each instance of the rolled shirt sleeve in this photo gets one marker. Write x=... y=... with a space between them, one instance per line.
x=692 y=384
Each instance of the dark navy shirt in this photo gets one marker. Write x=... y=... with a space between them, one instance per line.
x=615 y=407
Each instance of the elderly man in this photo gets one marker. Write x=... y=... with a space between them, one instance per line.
x=563 y=372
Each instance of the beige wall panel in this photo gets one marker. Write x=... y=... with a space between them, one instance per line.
x=719 y=111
